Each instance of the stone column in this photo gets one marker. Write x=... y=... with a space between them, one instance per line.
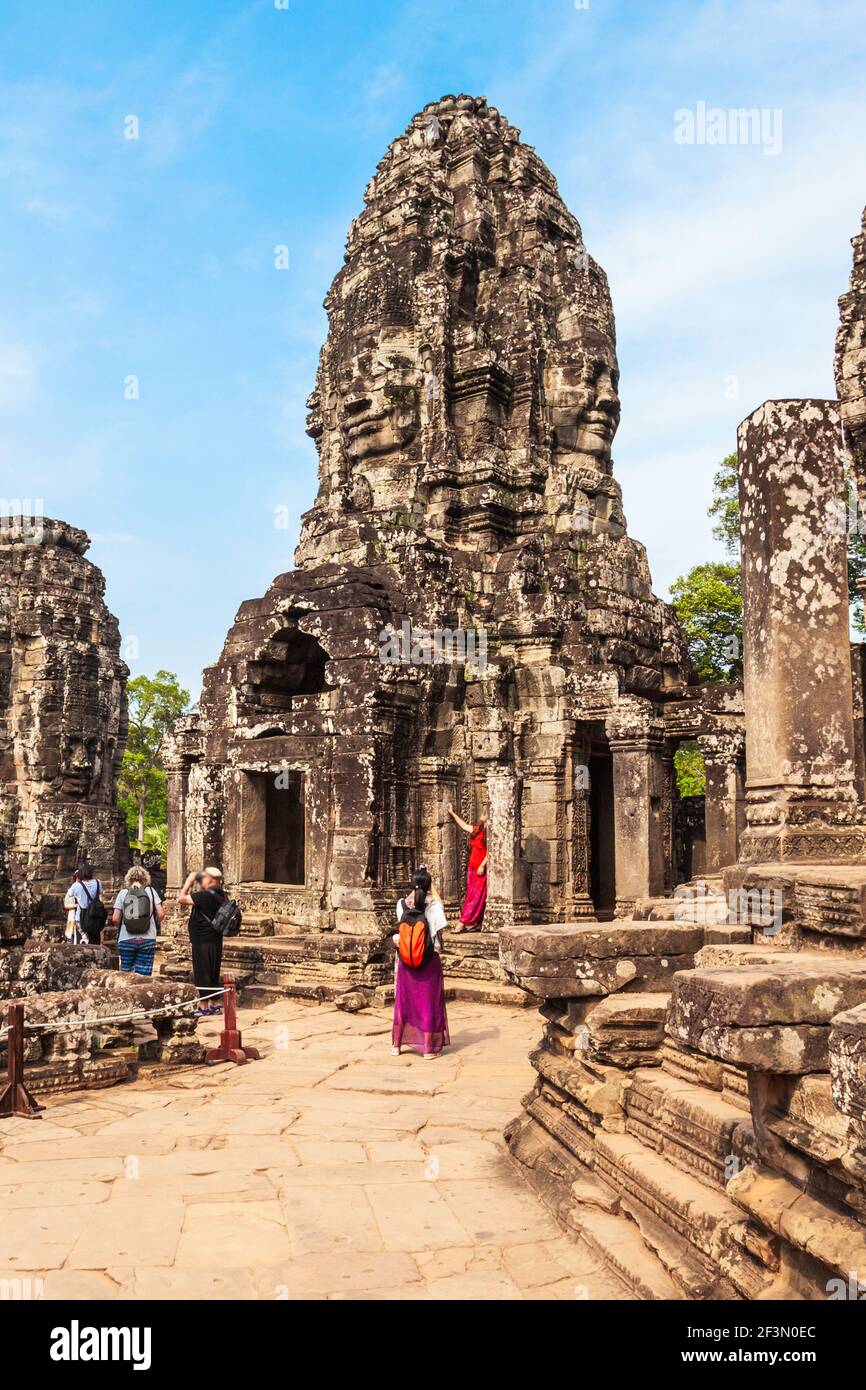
x=177 y=784
x=637 y=806
x=349 y=892
x=543 y=832
x=507 y=902
x=581 y=833
x=724 y=801
x=668 y=784
x=438 y=844
x=800 y=757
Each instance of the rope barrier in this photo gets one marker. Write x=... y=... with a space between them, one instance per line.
x=15 y=1099
x=64 y=1025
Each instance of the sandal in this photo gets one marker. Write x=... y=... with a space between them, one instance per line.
x=394 y=1051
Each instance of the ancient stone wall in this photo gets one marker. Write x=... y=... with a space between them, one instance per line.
x=62 y=720
x=704 y=1129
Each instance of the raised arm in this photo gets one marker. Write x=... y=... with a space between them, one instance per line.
x=183 y=896
x=458 y=820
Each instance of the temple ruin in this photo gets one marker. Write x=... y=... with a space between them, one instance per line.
x=469 y=620
x=63 y=729
x=706 y=1131
x=62 y=722
x=699 y=1114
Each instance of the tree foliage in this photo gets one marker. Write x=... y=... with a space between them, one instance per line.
x=154 y=705
x=708 y=600
x=709 y=605
x=725 y=507
x=689 y=770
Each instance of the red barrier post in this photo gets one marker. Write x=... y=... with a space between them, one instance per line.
x=230 y=1048
x=16 y=1099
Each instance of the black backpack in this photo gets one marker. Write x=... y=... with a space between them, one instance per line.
x=138 y=910
x=228 y=918
x=93 y=917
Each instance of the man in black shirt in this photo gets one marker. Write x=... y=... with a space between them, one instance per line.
x=207 y=945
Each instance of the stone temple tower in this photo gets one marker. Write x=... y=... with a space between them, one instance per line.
x=468 y=619
x=62 y=721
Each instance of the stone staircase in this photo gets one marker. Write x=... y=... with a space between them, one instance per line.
x=696 y=1129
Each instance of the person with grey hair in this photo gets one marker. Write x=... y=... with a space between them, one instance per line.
x=138 y=912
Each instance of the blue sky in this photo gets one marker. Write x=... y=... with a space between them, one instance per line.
x=260 y=127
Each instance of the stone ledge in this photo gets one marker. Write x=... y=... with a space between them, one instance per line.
x=563 y=961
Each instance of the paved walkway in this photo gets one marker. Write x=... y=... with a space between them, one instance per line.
x=328 y=1169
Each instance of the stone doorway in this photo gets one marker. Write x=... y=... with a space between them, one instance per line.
x=284 y=828
x=602 y=867
x=273 y=831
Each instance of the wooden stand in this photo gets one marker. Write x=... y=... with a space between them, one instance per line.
x=16 y=1099
x=230 y=1048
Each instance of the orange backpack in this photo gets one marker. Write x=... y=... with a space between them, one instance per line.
x=414 y=944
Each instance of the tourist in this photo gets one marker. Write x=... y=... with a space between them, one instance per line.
x=420 y=1020
x=205 y=899
x=72 y=932
x=90 y=913
x=472 y=911
x=138 y=912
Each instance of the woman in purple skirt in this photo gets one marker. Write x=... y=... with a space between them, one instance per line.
x=420 y=1020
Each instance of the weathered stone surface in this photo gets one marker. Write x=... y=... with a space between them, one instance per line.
x=567 y=962
x=848 y=1062
x=851 y=360
x=801 y=795
x=759 y=1094
x=62 y=720
x=464 y=413
x=627 y=1029
x=81 y=1033
x=34 y=970
x=798 y=989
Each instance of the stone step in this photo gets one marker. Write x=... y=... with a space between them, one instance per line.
x=818 y=1230
x=618 y=1241
x=258 y=996
x=689 y=1225
x=690 y=1125
x=254 y=925
x=488 y=992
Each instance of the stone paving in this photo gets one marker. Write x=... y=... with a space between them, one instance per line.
x=328 y=1169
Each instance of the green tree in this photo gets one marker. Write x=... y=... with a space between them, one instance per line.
x=154 y=705
x=725 y=510
x=689 y=769
x=709 y=605
x=725 y=506
x=856 y=555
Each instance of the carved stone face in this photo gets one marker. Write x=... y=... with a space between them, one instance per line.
x=378 y=411
x=583 y=409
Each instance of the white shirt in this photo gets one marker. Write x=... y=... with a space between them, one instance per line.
x=434 y=916
x=79 y=892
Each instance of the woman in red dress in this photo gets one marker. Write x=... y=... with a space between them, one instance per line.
x=472 y=911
